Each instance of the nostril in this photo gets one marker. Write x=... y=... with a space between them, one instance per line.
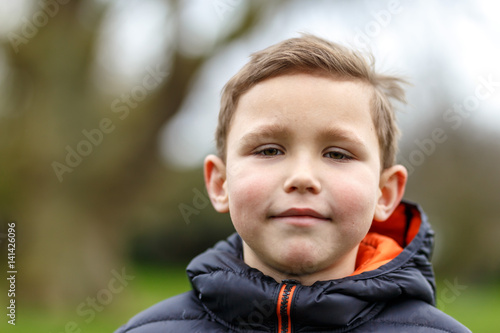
x=302 y=185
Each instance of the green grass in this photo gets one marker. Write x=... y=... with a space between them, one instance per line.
x=150 y=286
x=476 y=306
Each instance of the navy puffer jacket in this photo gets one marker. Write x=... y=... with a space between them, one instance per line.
x=229 y=296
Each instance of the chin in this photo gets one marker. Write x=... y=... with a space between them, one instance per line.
x=300 y=261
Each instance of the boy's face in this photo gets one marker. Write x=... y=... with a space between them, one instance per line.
x=302 y=174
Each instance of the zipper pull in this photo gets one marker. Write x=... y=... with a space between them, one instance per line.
x=290 y=281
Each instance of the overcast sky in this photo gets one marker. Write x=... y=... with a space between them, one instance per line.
x=442 y=48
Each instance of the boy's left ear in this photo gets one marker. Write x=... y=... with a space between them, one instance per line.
x=392 y=187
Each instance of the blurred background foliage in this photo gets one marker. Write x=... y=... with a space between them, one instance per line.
x=152 y=71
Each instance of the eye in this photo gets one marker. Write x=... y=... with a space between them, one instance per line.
x=269 y=152
x=337 y=155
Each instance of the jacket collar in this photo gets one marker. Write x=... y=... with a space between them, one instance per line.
x=237 y=295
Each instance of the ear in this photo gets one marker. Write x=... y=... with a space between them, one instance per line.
x=214 y=170
x=392 y=187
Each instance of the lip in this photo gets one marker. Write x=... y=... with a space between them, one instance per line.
x=302 y=217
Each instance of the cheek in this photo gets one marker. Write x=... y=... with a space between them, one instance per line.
x=356 y=197
x=247 y=192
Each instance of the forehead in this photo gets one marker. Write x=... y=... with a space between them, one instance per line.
x=304 y=99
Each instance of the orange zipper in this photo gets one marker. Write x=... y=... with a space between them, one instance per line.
x=284 y=305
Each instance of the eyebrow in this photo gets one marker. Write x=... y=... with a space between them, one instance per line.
x=266 y=131
x=341 y=134
x=279 y=130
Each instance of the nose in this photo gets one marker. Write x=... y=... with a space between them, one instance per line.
x=301 y=177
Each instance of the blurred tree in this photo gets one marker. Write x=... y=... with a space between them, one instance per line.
x=458 y=185
x=73 y=227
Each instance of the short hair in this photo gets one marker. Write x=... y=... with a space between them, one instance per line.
x=312 y=54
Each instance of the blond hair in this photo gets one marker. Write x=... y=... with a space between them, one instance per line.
x=309 y=53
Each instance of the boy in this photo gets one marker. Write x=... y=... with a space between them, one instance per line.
x=306 y=168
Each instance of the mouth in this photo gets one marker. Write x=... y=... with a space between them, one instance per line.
x=302 y=217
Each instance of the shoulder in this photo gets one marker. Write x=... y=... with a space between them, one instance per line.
x=415 y=316
x=181 y=313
